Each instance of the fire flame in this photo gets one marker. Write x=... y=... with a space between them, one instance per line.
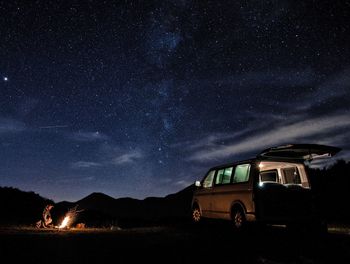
x=65 y=222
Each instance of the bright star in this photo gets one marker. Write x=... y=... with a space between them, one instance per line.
x=6 y=79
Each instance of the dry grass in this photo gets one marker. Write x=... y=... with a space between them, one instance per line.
x=176 y=244
x=339 y=229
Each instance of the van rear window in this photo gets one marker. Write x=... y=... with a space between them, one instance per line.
x=269 y=176
x=291 y=175
x=241 y=173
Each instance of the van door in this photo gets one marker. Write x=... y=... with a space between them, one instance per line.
x=232 y=185
x=221 y=193
x=204 y=194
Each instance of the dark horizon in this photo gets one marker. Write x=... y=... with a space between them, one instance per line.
x=93 y=193
x=137 y=99
x=320 y=168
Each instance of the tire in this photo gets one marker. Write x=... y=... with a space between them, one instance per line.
x=238 y=218
x=196 y=215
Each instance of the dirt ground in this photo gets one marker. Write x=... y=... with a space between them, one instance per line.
x=209 y=243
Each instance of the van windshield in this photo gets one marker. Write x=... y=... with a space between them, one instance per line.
x=208 y=181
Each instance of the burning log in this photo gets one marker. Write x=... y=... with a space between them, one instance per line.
x=65 y=222
x=80 y=226
x=69 y=217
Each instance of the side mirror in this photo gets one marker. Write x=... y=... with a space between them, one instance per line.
x=197 y=184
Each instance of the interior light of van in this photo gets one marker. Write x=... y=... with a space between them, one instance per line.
x=261 y=165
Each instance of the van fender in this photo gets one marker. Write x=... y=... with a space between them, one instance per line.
x=239 y=203
x=196 y=203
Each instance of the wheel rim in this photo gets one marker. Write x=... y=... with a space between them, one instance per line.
x=238 y=219
x=196 y=215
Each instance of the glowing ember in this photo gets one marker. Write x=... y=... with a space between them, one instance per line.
x=65 y=222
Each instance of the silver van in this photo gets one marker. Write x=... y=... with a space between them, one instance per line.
x=271 y=188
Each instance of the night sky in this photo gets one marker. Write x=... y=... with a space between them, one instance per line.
x=140 y=98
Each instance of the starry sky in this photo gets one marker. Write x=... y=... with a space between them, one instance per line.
x=140 y=98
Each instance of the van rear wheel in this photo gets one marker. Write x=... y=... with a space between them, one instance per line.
x=238 y=217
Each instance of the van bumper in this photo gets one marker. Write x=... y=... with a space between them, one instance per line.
x=250 y=217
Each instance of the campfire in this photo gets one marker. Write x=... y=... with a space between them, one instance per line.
x=69 y=218
x=64 y=223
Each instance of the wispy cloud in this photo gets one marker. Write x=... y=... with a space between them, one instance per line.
x=89 y=136
x=11 y=126
x=315 y=114
x=285 y=133
x=182 y=183
x=278 y=78
x=128 y=157
x=334 y=87
x=53 y=126
x=211 y=140
x=85 y=164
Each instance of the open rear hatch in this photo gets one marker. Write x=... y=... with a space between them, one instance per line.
x=283 y=199
x=299 y=152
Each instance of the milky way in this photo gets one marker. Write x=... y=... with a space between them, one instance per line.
x=140 y=98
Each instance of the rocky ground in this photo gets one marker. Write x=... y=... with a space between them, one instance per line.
x=209 y=243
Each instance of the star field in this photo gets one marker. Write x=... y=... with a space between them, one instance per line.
x=140 y=98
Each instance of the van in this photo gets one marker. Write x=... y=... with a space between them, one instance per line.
x=272 y=188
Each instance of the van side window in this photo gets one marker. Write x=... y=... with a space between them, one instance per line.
x=224 y=176
x=227 y=176
x=208 y=181
x=219 y=176
x=241 y=173
x=291 y=175
x=269 y=176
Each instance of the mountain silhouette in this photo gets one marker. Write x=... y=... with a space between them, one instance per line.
x=99 y=208
x=96 y=209
x=20 y=208
x=331 y=187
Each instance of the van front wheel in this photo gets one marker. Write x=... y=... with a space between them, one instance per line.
x=238 y=218
x=196 y=215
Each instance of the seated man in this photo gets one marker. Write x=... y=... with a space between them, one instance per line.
x=46 y=220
